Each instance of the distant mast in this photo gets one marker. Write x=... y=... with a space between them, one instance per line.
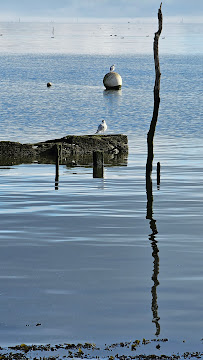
x=52 y=33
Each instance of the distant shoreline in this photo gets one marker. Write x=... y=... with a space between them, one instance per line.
x=194 y=19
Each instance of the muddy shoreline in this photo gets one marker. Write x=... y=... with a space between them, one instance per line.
x=136 y=349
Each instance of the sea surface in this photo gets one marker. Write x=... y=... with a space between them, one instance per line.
x=84 y=262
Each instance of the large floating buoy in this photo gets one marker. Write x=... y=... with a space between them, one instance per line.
x=112 y=80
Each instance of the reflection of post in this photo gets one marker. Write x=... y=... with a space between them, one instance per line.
x=155 y=254
x=150 y=157
x=57 y=167
x=98 y=164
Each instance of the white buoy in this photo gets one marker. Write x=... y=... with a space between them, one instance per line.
x=112 y=80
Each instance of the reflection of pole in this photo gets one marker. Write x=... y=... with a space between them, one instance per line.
x=155 y=254
x=150 y=157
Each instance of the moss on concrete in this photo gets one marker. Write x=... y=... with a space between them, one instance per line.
x=73 y=149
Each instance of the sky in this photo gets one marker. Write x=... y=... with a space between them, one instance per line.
x=54 y=9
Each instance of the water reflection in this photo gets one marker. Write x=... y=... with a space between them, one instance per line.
x=102 y=184
x=111 y=95
x=56 y=183
x=94 y=161
x=112 y=98
x=155 y=254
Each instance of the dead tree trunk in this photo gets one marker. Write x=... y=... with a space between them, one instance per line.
x=150 y=135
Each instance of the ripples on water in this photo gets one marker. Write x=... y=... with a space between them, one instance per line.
x=83 y=260
x=84 y=254
x=77 y=102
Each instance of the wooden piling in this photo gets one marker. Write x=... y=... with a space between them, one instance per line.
x=57 y=167
x=98 y=164
x=158 y=174
x=151 y=132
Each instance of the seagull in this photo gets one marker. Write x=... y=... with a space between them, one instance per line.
x=102 y=127
x=112 y=68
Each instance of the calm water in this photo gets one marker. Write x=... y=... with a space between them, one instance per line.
x=83 y=261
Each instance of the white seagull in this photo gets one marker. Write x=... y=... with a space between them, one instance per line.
x=102 y=127
x=112 y=68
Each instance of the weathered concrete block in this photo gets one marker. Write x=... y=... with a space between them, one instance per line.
x=75 y=149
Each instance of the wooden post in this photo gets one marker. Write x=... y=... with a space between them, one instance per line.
x=57 y=167
x=158 y=174
x=98 y=164
x=150 y=135
x=61 y=152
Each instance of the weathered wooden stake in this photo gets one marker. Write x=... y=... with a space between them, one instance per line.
x=98 y=164
x=158 y=173
x=150 y=135
x=57 y=168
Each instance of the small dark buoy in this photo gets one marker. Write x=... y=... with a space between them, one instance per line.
x=49 y=84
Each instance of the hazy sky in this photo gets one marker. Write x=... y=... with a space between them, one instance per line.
x=97 y=8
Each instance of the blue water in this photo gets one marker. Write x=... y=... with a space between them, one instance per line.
x=77 y=102
x=81 y=261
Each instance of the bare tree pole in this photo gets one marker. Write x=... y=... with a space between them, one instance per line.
x=150 y=135
x=150 y=157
